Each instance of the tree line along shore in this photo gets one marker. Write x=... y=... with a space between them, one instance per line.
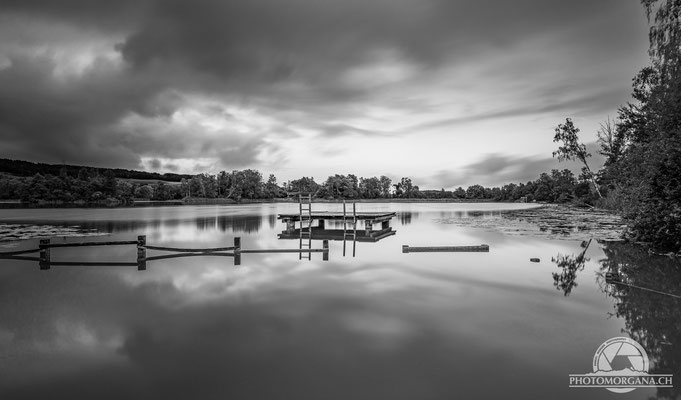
x=91 y=186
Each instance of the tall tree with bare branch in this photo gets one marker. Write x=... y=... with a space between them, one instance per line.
x=572 y=149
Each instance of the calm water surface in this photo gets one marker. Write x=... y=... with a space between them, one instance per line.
x=380 y=325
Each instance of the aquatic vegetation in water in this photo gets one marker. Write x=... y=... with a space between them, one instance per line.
x=550 y=221
x=14 y=232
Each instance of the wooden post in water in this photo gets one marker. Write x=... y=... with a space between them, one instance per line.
x=237 y=250
x=44 y=254
x=325 y=246
x=141 y=253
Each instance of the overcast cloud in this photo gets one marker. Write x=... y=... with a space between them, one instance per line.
x=309 y=87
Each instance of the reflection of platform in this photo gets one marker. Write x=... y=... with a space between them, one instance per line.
x=348 y=221
x=369 y=219
x=338 y=234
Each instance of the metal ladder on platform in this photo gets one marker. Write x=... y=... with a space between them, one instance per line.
x=353 y=223
x=305 y=233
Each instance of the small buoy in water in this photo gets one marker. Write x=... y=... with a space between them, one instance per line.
x=534 y=259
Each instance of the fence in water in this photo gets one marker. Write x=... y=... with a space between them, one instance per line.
x=45 y=248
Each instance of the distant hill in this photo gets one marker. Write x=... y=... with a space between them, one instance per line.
x=27 y=168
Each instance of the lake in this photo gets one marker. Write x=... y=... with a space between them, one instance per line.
x=380 y=325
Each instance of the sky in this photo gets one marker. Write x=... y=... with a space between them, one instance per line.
x=448 y=92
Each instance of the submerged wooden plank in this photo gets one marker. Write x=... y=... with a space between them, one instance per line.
x=18 y=252
x=181 y=255
x=83 y=244
x=428 y=249
x=91 y=264
x=183 y=250
x=264 y=251
x=21 y=258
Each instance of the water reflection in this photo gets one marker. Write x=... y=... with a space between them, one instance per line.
x=231 y=223
x=405 y=217
x=652 y=308
x=382 y=325
x=569 y=265
x=222 y=223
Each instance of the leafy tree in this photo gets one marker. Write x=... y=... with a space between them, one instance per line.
x=406 y=189
x=144 y=192
x=185 y=188
x=507 y=191
x=245 y=184
x=303 y=185
x=610 y=142
x=272 y=190
x=85 y=174
x=385 y=185
x=109 y=184
x=563 y=186
x=572 y=148
x=162 y=191
x=336 y=187
x=646 y=176
x=196 y=187
x=223 y=183
x=252 y=185
x=97 y=196
x=544 y=188
x=209 y=184
x=475 y=192
x=370 y=188
x=126 y=192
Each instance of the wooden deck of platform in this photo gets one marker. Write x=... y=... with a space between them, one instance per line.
x=339 y=216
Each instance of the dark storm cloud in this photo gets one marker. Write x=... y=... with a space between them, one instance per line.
x=107 y=15
x=495 y=169
x=345 y=130
x=155 y=164
x=498 y=169
x=277 y=56
x=589 y=104
x=314 y=41
x=171 y=167
x=44 y=119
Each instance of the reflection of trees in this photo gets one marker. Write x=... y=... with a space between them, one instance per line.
x=405 y=218
x=113 y=226
x=570 y=264
x=231 y=223
x=652 y=309
x=245 y=224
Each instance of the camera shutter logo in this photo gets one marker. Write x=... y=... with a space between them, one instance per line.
x=620 y=365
